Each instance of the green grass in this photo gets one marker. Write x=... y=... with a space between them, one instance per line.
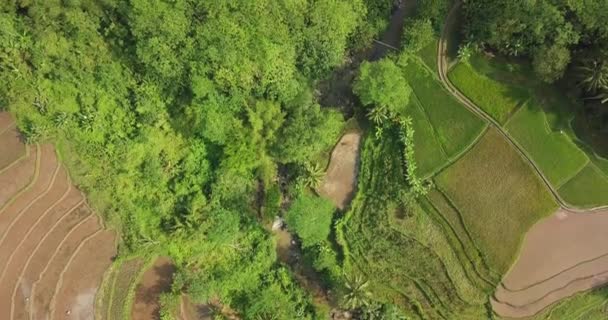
x=497 y=99
x=499 y=196
x=428 y=55
x=456 y=127
x=554 y=152
x=104 y=294
x=429 y=153
x=404 y=253
x=452 y=220
x=588 y=188
x=124 y=282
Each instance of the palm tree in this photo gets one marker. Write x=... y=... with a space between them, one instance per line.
x=378 y=115
x=314 y=175
x=356 y=295
x=594 y=75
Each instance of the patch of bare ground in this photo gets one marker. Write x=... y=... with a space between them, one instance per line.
x=27 y=219
x=12 y=146
x=191 y=311
x=43 y=288
x=46 y=168
x=6 y=121
x=18 y=176
x=561 y=255
x=24 y=249
x=156 y=280
x=74 y=297
x=42 y=254
x=340 y=179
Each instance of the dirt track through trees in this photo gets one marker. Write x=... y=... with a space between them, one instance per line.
x=53 y=250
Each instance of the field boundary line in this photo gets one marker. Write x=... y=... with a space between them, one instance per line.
x=597 y=285
x=31 y=306
x=10 y=126
x=461 y=242
x=30 y=184
x=484 y=258
x=462 y=153
x=571 y=177
x=433 y=129
x=32 y=227
x=447 y=274
x=29 y=259
x=59 y=284
x=580 y=263
x=441 y=61
x=29 y=205
x=111 y=287
x=16 y=161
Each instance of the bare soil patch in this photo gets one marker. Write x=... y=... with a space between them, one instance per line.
x=18 y=176
x=561 y=255
x=156 y=280
x=35 y=265
x=25 y=248
x=340 y=179
x=47 y=165
x=12 y=146
x=26 y=219
x=44 y=287
x=191 y=311
x=6 y=120
x=77 y=287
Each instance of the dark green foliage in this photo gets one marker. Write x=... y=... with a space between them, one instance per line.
x=169 y=113
x=310 y=218
x=381 y=85
x=551 y=33
x=417 y=34
x=272 y=201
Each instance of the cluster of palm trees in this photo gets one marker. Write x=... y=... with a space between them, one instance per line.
x=594 y=79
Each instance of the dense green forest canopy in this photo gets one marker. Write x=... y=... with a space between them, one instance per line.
x=563 y=38
x=173 y=115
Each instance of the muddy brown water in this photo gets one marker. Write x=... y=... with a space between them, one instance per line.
x=561 y=255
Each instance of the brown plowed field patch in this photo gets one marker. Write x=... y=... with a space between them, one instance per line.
x=561 y=255
x=41 y=256
x=22 y=201
x=5 y=121
x=156 y=280
x=341 y=177
x=26 y=220
x=75 y=297
x=12 y=146
x=17 y=176
x=44 y=288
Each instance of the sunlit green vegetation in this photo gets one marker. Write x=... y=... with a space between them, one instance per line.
x=587 y=189
x=558 y=157
x=456 y=127
x=430 y=155
x=497 y=99
x=512 y=200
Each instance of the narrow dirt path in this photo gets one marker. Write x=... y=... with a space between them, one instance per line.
x=443 y=67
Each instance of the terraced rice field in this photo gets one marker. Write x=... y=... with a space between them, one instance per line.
x=499 y=195
x=118 y=288
x=562 y=255
x=53 y=249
